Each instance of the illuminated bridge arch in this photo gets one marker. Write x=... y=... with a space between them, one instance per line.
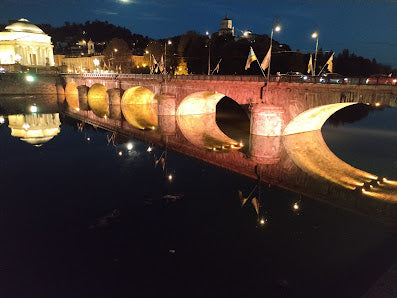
x=72 y=95
x=139 y=108
x=199 y=103
x=98 y=100
x=196 y=117
x=314 y=118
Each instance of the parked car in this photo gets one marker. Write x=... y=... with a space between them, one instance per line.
x=381 y=79
x=333 y=78
x=292 y=76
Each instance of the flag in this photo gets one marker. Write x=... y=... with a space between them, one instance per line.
x=217 y=67
x=310 y=65
x=266 y=61
x=330 y=62
x=255 y=202
x=154 y=60
x=161 y=66
x=242 y=199
x=251 y=58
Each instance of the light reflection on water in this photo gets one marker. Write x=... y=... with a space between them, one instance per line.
x=78 y=219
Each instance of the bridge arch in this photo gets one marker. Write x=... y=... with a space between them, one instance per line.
x=139 y=108
x=196 y=117
x=72 y=95
x=199 y=103
x=98 y=100
x=314 y=118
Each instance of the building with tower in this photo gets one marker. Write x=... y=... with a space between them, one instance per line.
x=226 y=27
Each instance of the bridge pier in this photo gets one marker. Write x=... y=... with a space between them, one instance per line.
x=166 y=104
x=266 y=120
x=83 y=97
x=265 y=149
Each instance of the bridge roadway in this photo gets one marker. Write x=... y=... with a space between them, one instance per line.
x=282 y=108
x=301 y=163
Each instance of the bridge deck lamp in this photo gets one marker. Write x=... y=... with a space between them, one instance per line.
x=315 y=35
x=276 y=28
x=165 y=54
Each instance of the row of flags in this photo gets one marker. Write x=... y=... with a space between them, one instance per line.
x=159 y=67
x=266 y=61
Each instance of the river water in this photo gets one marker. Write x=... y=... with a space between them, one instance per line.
x=80 y=219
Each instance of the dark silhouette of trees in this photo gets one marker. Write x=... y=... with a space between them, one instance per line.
x=118 y=56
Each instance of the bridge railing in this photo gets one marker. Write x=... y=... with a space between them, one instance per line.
x=240 y=78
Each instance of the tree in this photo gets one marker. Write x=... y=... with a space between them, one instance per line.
x=118 y=56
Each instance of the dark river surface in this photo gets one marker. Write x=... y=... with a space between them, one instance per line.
x=77 y=219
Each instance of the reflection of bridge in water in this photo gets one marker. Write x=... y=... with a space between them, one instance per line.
x=301 y=163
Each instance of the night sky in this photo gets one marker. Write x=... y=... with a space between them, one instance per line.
x=367 y=28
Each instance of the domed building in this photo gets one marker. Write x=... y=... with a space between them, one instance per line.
x=25 y=43
x=35 y=129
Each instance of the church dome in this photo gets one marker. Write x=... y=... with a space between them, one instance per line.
x=23 y=25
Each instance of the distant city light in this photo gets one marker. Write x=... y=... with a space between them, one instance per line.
x=262 y=221
x=29 y=78
x=170 y=177
x=25 y=126
x=296 y=206
x=88 y=139
x=33 y=109
x=2 y=120
x=120 y=153
x=130 y=146
x=149 y=149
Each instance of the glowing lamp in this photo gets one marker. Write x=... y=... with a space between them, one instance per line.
x=29 y=78
x=33 y=109
x=130 y=146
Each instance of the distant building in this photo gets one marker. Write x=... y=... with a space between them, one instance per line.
x=226 y=27
x=25 y=43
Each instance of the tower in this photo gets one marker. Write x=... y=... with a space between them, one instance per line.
x=226 y=27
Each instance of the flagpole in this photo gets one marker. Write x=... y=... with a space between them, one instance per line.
x=261 y=68
x=277 y=28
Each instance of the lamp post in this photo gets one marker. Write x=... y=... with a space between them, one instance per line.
x=315 y=35
x=115 y=51
x=150 y=59
x=165 y=54
x=209 y=52
x=276 y=28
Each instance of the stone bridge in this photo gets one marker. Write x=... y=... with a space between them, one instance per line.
x=282 y=108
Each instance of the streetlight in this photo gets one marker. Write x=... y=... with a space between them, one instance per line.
x=165 y=54
x=276 y=28
x=209 y=52
x=114 y=50
x=315 y=35
x=150 y=58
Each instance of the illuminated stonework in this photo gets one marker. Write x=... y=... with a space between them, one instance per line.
x=25 y=43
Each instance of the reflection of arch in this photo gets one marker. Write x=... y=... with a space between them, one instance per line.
x=199 y=103
x=98 y=100
x=310 y=152
x=313 y=119
x=202 y=131
x=139 y=108
x=196 y=117
x=72 y=95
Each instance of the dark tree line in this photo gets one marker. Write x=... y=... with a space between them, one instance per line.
x=98 y=32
